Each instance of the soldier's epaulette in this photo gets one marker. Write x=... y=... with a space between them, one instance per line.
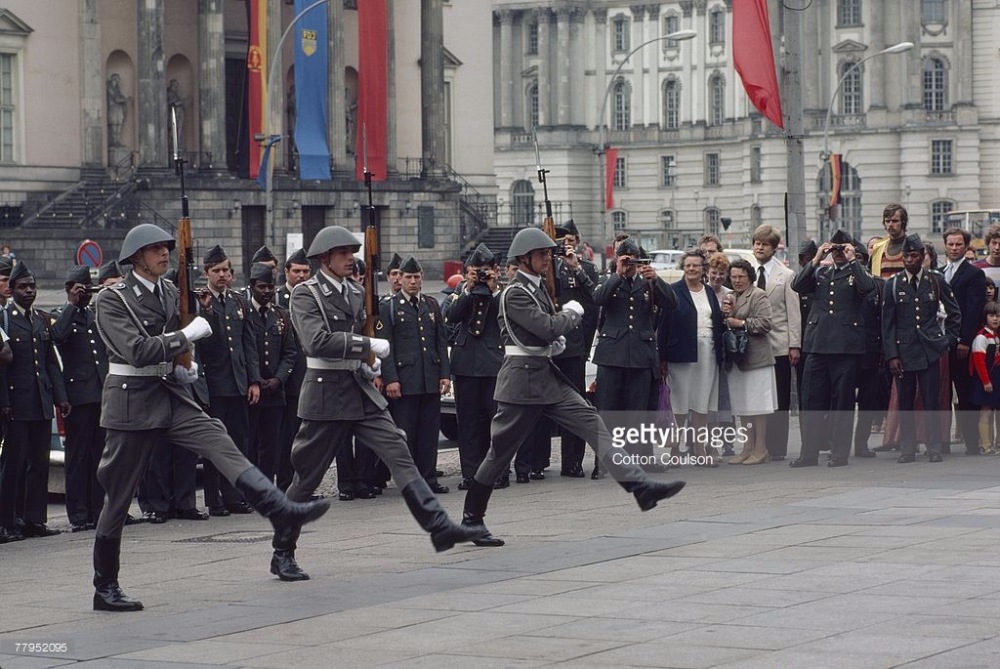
x=432 y=302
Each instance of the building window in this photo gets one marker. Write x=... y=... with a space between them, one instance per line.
x=533 y=38
x=668 y=171
x=939 y=210
x=717 y=26
x=621 y=34
x=522 y=199
x=941 y=156
x=671 y=24
x=712 y=221
x=620 y=219
x=712 y=169
x=533 y=106
x=755 y=165
x=932 y=11
x=935 y=85
x=621 y=179
x=623 y=107
x=717 y=100
x=8 y=110
x=756 y=217
x=849 y=13
x=667 y=219
x=671 y=104
x=850 y=94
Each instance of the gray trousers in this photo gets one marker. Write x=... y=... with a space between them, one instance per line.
x=318 y=441
x=127 y=453
x=514 y=422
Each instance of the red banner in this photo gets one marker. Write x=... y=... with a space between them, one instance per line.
x=753 y=57
x=610 y=161
x=835 y=173
x=256 y=80
x=373 y=88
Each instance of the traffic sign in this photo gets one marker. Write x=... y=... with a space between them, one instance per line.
x=89 y=254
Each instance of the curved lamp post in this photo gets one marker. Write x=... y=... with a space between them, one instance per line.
x=679 y=36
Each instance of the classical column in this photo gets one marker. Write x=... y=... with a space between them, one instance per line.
x=151 y=113
x=212 y=81
x=545 y=65
x=276 y=100
x=92 y=84
x=638 y=64
x=963 y=53
x=576 y=69
x=600 y=67
x=390 y=91
x=432 y=83
x=337 y=123
x=562 y=69
x=651 y=114
x=506 y=57
x=876 y=66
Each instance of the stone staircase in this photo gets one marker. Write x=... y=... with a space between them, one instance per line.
x=497 y=240
x=96 y=201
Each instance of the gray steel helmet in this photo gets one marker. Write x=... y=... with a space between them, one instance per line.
x=330 y=238
x=528 y=240
x=144 y=235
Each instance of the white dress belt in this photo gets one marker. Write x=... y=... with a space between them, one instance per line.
x=122 y=369
x=531 y=351
x=328 y=363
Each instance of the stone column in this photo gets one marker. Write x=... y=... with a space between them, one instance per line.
x=92 y=84
x=432 y=83
x=876 y=66
x=561 y=71
x=638 y=64
x=963 y=43
x=600 y=66
x=390 y=65
x=651 y=114
x=275 y=122
x=576 y=67
x=212 y=81
x=337 y=123
x=545 y=116
x=151 y=109
x=506 y=57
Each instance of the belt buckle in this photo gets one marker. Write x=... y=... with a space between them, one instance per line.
x=164 y=369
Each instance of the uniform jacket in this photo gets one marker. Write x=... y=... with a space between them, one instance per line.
x=328 y=326
x=579 y=286
x=81 y=349
x=871 y=321
x=277 y=350
x=753 y=307
x=678 y=338
x=418 y=358
x=910 y=327
x=477 y=348
x=230 y=354
x=133 y=402
x=786 y=316
x=33 y=382
x=968 y=285
x=628 y=321
x=834 y=323
x=282 y=296
x=529 y=316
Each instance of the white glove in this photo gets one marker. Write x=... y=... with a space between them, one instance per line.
x=559 y=345
x=185 y=376
x=380 y=347
x=370 y=372
x=197 y=329
x=574 y=306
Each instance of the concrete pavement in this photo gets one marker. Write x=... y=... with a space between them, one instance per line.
x=871 y=565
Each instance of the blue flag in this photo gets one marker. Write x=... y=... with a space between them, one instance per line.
x=265 y=165
x=311 y=82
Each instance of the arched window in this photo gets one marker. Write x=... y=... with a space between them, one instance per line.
x=717 y=100
x=533 y=106
x=847 y=212
x=667 y=219
x=850 y=93
x=935 y=85
x=622 y=113
x=671 y=104
x=522 y=198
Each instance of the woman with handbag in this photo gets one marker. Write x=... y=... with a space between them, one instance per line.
x=749 y=362
x=690 y=348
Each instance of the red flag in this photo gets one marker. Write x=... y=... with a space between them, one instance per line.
x=753 y=57
x=610 y=161
x=373 y=88
x=835 y=172
x=257 y=76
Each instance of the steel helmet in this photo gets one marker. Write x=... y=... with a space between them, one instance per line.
x=528 y=240
x=144 y=235
x=331 y=237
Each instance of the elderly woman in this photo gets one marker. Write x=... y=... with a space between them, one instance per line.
x=690 y=344
x=718 y=274
x=752 y=390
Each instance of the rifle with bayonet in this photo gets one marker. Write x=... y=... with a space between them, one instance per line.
x=548 y=225
x=371 y=250
x=187 y=303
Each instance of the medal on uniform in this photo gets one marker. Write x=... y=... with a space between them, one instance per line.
x=850 y=280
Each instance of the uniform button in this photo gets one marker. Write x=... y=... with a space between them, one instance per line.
x=124 y=386
x=630 y=327
x=831 y=292
x=425 y=349
x=831 y=311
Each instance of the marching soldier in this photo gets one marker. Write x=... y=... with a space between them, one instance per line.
x=85 y=364
x=416 y=371
x=138 y=320
x=29 y=388
x=339 y=399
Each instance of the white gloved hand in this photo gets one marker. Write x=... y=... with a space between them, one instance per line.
x=574 y=306
x=370 y=372
x=558 y=346
x=380 y=347
x=185 y=376
x=197 y=329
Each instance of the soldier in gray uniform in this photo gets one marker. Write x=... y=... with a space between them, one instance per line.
x=85 y=364
x=913 y=342
x=530 y=387
x=339 y=400
x=297 y=270
x=147 y=398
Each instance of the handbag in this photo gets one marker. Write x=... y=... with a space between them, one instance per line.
x=734 y=344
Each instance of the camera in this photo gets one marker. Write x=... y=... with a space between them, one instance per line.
x=559 y=251
x=838 y=247
x=639 y=261
x=482 y=276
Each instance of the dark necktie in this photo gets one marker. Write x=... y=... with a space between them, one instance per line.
x=157 y=294
x=761 y=279
x=913 y=281
x=222 y=301
x=413 y=301
x=263 y=314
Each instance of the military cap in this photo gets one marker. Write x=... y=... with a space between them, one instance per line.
x=808 y=248
x=19 y=272
x=297 y=258
x=841 y=236
x=263 y=254
x=6 y=265
x=215 y=255
x=567 y=228
x=628 y=247
x=860 y=250
x=480 y=256
x=108 y=270
x=394 y=262
x=411 y=266
x=911 y=243
x=78 y=274
x=262 y=273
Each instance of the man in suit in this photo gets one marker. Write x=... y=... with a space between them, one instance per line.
x=232 y=370
x=339 y=399
x=530 y=387
x=147 y=399
x=785 y=336
x=85 y=364
x=416 y=371
x=913 y=342
x=29 y=388
x=835 y=342
x=968 y=284
x=297 y=270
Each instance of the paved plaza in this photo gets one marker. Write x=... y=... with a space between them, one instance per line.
x=871 y=565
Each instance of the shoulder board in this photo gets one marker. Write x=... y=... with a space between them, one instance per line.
x=432 y=302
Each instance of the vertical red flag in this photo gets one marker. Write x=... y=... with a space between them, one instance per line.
x=835 y=173
x=256 y=80
x=753 y=57
x=373 y=88
x=610 y=162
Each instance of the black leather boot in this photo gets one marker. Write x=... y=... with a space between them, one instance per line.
x=283 y=513
x=283 y=564
x=108 y=596
x=426 y=508
x=475 y=508
x=647 y=493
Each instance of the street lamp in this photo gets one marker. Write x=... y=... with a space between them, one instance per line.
x=678 y=36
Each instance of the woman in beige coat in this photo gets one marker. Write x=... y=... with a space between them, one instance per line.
x=752 y=391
